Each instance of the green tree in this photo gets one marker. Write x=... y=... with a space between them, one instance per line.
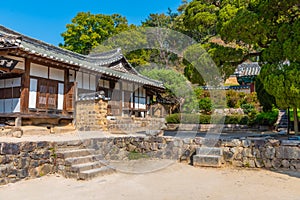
x=284 y=84
x=266 y=100
x=88 y=31
x=179 y=91
x=268 y=30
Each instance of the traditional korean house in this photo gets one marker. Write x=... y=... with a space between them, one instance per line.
x=41 y=82
x=246 y=74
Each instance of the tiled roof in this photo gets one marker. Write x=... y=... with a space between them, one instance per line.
x=95 y=62
x=247 y=69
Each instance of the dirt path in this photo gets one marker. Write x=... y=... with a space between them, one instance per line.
x=177 y=181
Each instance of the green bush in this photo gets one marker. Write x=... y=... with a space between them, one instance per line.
x=267 y=118
x=184 y=118
x=205 y=104
x=236 y=119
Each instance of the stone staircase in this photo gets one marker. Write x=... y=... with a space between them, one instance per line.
x=82 y=164
x=282 y=120
x=208 y=157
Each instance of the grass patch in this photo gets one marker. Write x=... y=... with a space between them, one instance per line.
x=292 y=114
x=133 y=155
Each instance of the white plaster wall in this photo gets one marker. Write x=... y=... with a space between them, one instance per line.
x=60 y=97
x=92 y=82
x=86 y=81
x=32 y=93
x=56 y=74
x=38 y=70
x=79 y=79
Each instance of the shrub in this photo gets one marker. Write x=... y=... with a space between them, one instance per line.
x=267 y=118
x=205 y=105
x=183 y=118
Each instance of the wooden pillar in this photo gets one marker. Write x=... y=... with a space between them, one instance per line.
x=66 y=89
x=25 y=87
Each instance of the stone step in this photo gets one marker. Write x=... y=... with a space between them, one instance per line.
x=86 y=166
x=71 y=153
x=207 y=161
x=89 y=174
x=209 y=151
x=84 y=159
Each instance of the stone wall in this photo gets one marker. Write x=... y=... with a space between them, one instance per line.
x=34 y=159
x=255 y=153
x=260 y=153
x=25 y=160
x=91 y=115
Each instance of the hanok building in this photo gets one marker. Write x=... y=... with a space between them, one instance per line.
x=42 y=81
x=243 y=79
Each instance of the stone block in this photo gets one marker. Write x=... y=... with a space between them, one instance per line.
x=287 y=152
x=259 y=162
x=285 y=163
x=247 y=152
x=28 y=146
x=276 y=163
x=231 y=143
x=269 y=152
x=295 y=164
x=10 y=149
x=246 y=143
x=209 y=151
x=207 y=160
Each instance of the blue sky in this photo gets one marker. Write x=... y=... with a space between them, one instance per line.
x=46 y=20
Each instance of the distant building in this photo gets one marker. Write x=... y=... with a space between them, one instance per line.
x=243 y=79
x=246 y=74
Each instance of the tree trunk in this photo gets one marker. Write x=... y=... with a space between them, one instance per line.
x=295 y=120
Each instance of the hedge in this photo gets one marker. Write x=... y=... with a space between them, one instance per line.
x=184 y=118
x=267 y=118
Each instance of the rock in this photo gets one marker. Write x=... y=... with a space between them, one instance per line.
x=24 y=163
x=231 y=143
x=276 y=163
x=227 y=154
x=131 y=147
x=259 y=163
x=295 y=164
x=237 y=163
x=286 y=152
x=45 y=169
x=10 y=149
x=28 y=146
x=267 y=163
x=23 y=173
x=246 y=143
x=3 y=181
x=17 y=134
x=269 y=152
x=42 y=144
x=285 y=163
x=247 y=152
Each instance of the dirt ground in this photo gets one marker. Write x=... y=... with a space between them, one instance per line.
x=173 y=181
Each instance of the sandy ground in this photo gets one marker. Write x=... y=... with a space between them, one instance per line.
x=174 y=181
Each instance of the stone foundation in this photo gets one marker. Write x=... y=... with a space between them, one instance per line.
x=91 y=115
